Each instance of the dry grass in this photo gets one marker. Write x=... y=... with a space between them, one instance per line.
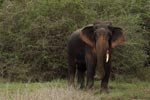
x=54 y=93
x=48 y=92
x=58 y=90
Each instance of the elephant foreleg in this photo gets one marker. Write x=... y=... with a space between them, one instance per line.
x=104 y=83
x=91 y=65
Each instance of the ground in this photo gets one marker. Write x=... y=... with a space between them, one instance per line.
x=58 y=90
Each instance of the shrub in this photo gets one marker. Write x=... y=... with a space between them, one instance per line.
x=34 y=33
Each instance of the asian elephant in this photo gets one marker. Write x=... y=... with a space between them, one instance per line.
x=89 y=50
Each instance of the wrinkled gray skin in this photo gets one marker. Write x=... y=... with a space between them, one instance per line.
x=87 y=49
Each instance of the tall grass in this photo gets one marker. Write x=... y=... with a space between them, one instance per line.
x=58 y=90
x=51 y=93
x=44 y=91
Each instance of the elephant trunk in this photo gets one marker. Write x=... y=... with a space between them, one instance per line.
x=102 y=57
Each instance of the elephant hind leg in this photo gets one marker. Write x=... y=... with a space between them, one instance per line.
x=81 y=68
x=71 y=71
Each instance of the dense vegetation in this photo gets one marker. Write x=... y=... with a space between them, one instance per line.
x=34 y=33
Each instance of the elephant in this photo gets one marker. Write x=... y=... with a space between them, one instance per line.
x=89 y=51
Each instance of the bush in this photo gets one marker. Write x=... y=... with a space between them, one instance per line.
x=130 y=55
x=34 y=37
x=34 y=33
x=143 y=73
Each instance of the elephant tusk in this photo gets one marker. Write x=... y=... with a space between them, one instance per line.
x=107 y=56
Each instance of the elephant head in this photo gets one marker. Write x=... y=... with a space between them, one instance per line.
x=102 y=36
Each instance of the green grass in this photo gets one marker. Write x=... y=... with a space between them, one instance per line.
x=58 y=90
x=128 y=91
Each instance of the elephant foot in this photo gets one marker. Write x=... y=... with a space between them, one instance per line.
x=104 y=90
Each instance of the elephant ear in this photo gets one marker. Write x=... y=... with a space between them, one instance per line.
x=117 y=36
x=87 y=35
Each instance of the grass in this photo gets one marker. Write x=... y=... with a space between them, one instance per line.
x=128 y=91
x=58 y=90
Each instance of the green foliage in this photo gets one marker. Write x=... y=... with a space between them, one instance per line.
x=34 y=33
x=143 y=73
x=1 y=2
x=34 y=37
